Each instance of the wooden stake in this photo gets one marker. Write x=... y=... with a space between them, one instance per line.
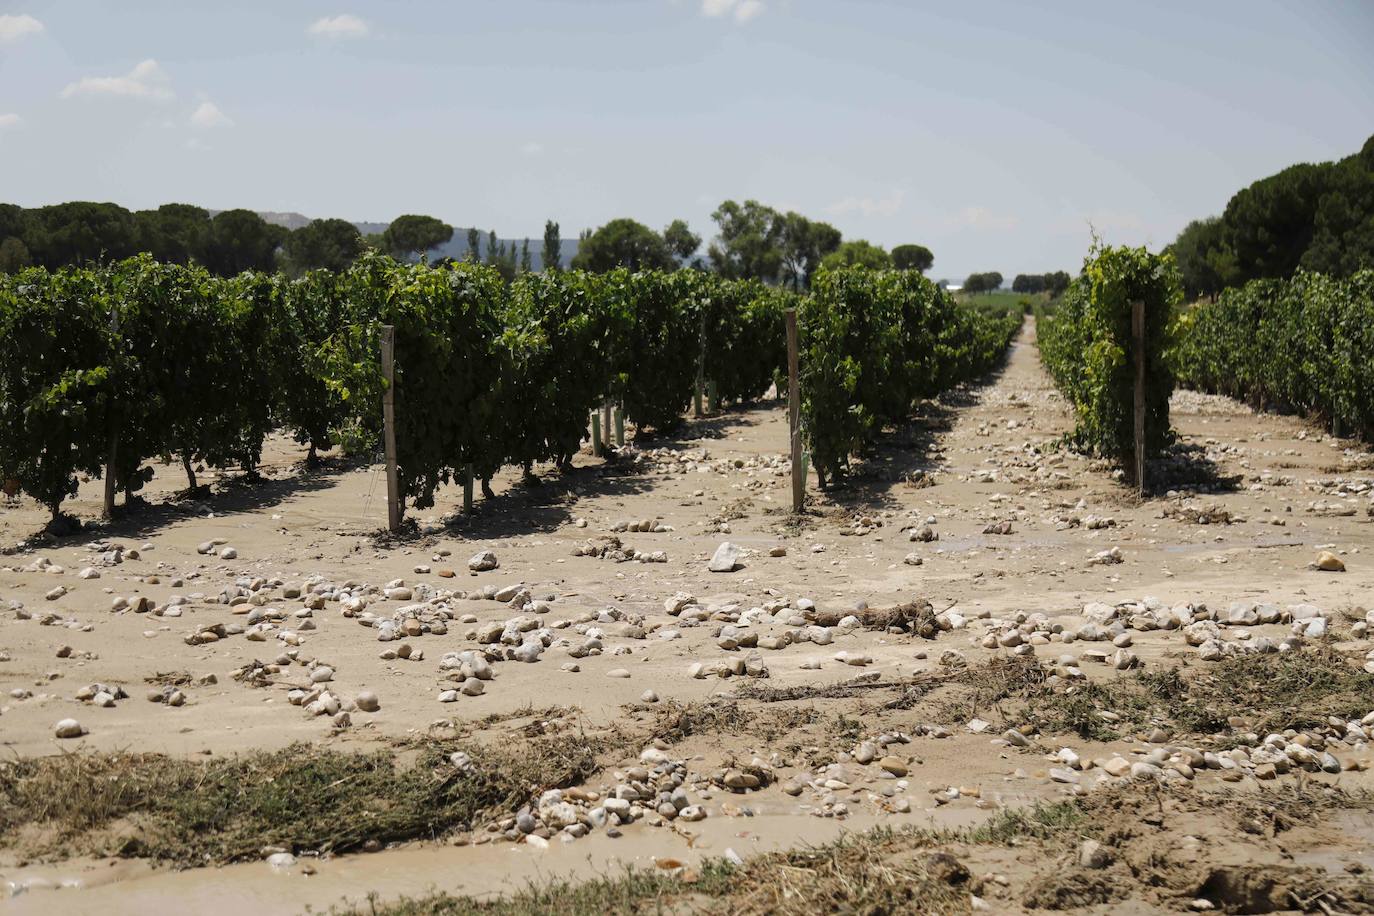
x=467 y=489
x=596 y=434
x=713 y=396
x=110 y=455
x=606 y=422
x=794 y=413
x=1138 y=333
x=619 y=427
x=701 y=370
x=393 y=488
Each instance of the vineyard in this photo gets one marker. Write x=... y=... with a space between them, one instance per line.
x=1304 y=345
x=1087 y=346
x=142 y=360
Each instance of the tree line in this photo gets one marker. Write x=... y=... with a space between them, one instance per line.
x=753 y=242
x=1318 y=217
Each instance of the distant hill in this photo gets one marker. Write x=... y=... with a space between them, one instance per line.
x=456 y=248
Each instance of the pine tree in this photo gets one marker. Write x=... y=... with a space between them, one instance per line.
x=553 y=247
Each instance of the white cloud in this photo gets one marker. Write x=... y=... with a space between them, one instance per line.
x=532 y=148
x=741 y=10
x=345 y=25
x=9 y=120
x=748 y=9
x=983 y=218
x=145 y=81
x=208 y=115
x=13 y=28
x=868 y=206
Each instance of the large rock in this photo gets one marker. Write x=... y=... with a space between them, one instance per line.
x=483 y=561
x=1329 y=562
x=726 y=558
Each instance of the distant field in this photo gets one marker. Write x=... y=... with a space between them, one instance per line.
x=1000 y=299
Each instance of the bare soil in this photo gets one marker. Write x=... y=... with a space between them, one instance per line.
x=1255 y=498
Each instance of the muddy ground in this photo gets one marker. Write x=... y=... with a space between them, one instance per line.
x=1256 y=498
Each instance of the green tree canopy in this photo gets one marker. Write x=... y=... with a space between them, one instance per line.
x=804 y=245
x=1205 y=261
x=857 y=253
x=983 y=282
x=332 y=244
x=415 y=234
x=912 y=257
x=553 y=247
x=174 y=233
x=749 y=244
x=79 y=232
x=623 y=243
x=241 y=240
x=682 y=242
x=14 y=255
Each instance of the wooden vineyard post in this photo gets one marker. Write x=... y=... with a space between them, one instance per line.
x=794 y=414
x=393 y=496
x=1138 y=335
x=467 y=489
x=606 y=424
x=701 y=370
x=620 y=426
x=597 y=450
x=107 y=512
x=712 y=396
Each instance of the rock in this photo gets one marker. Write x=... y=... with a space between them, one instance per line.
x=1092 y=854
x=1117 y=766
x=1016 y=738
x=484 y=561
x=322 y=674
x=367 y=701
x=281 y=860
x=1329 y=562
x=618 y=673
x=725 y=559
x=228 y=553
x=648 y=696
x=68 y=728
x=894 y=766
x=473 y=687
x=913 y=559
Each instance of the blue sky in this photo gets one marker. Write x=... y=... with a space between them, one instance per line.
x=996 y=133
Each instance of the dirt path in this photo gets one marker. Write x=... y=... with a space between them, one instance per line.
x=981 y=456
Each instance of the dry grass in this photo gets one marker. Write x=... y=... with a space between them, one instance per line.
x=1267 y=693
x=300 y=798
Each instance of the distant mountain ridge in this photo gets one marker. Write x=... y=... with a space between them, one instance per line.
x=456 y=247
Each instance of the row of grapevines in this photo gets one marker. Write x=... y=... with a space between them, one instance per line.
x=174 y=362
x=873 y=343
x=1087 y=344
x=1303 y=344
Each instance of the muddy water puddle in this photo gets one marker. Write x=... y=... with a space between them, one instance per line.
x=115 y=886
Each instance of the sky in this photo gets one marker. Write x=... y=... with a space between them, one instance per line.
x=1001 y=135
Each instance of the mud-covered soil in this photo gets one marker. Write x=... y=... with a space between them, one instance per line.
x=859 y=670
